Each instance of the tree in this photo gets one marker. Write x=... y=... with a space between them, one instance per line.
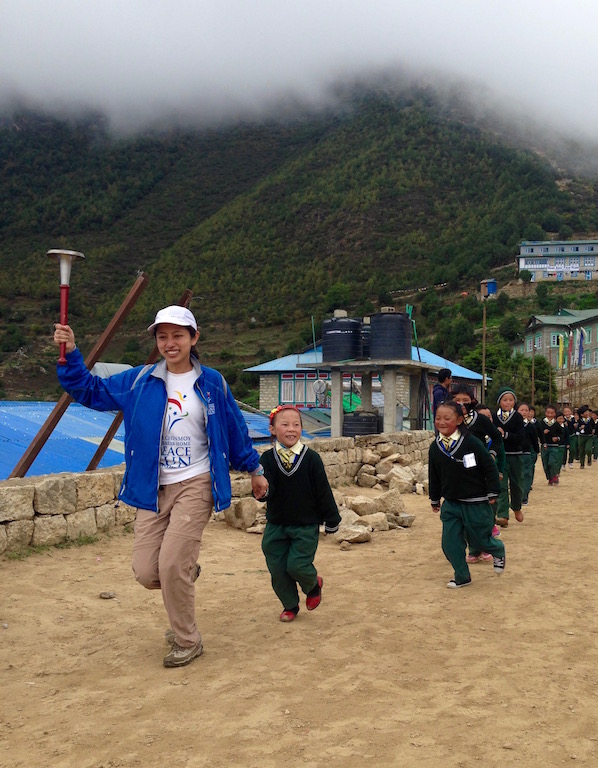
x=510 y=327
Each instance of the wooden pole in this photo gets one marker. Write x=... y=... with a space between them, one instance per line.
x=533 y=397
x=549 y=374
x=59 y=409
x=113 y=429
x=483 y=351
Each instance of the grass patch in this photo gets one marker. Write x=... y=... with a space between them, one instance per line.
x=22 y=554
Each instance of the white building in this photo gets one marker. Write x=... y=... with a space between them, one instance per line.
x=558 y=260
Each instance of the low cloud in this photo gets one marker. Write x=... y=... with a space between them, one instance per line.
x=143 y=62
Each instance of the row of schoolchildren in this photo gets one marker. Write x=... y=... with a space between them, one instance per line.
x=481 y=479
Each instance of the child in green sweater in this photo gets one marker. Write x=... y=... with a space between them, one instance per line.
x=463 y=473
x=299 y=500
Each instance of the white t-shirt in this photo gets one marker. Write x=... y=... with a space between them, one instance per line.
x=184 y=442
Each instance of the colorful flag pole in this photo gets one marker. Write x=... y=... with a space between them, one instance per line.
x=582 y=335
x=570 y=350
x=561 y=350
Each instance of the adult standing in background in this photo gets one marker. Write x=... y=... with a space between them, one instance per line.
x=440 y=391
x=183 y=432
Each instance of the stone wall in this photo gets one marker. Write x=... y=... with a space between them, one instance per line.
x=53 y=509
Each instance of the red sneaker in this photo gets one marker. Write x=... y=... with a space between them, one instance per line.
x=313 y=602
x=289 y=615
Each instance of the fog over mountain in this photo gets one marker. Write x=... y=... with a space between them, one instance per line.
x=197 y=62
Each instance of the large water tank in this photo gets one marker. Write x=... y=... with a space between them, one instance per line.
x=390 y=337
x=341 y=339
x=366 y=332
x=360 y=423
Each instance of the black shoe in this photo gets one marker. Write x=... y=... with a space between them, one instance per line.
x=499 y=565
x=452 y=584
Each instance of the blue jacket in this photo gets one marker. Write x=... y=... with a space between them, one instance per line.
x=140 y=393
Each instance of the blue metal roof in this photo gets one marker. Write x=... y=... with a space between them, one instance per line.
x=290 y=363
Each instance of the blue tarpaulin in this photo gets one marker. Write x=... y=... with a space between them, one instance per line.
x=70 y=447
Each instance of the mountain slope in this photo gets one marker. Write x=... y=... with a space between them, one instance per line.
x=269 y=224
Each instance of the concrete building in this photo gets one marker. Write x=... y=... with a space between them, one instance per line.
x=542 y=335
x=306 y=381
x=557 y=260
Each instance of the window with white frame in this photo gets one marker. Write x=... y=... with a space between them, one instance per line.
x=584 y=360
x=589 y=248
x=589 y=261
x=287 y=390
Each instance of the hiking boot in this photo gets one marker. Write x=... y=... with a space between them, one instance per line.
x=499 y=565
x=179 y=656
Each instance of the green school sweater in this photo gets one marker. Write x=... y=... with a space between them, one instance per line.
x=300 y=495
x=465 y=473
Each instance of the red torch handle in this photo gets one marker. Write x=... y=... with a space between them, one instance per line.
x=64 y=318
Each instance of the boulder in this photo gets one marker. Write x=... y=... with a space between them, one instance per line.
x=362 y=505
x=401 y=479
x=390 y=502
x=377 y=521
x=243 y=513
x=355 y=534
x=366 y=481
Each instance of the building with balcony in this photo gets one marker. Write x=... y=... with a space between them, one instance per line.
x=557 y=260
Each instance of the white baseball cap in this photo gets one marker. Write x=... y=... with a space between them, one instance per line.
x=175 y=315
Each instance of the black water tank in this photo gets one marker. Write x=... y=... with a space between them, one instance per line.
x=366 y=332
x=390 y=336
x=341 y=339
x=360 y=423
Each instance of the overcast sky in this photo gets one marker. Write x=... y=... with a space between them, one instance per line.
x=138 y=60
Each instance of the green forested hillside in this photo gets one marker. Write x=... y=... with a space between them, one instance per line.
x=269 y=224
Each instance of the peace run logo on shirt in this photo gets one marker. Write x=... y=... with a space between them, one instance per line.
x=183 y=448
x=175 y=410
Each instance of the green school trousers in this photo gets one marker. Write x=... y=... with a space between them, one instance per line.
x=511 y=484
x=464 y=523
x=527 y=473
x=585 y=449
x=552 y=460
x=290 y=552
x=573 y=448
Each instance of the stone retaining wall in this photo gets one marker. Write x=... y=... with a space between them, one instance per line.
x=52 y=509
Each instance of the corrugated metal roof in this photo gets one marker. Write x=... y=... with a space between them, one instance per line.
x=291 y=363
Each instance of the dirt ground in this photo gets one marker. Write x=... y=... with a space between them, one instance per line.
x=393 y=669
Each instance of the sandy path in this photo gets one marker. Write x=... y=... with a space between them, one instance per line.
x=392 y=669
